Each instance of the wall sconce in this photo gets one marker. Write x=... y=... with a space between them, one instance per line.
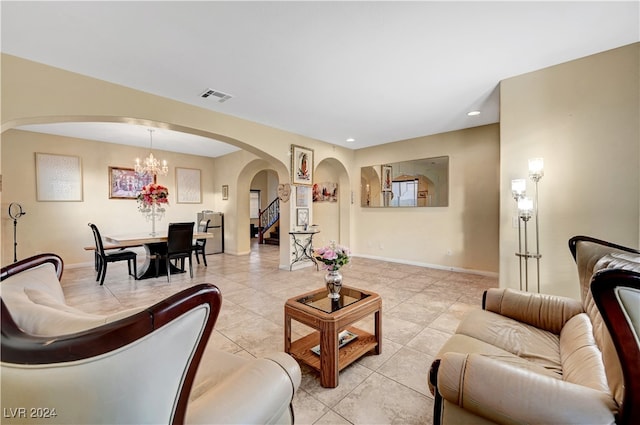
x=526 y=209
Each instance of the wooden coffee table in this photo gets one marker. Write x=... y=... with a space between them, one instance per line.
x=329 y=318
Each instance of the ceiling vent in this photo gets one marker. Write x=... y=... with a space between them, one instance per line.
x=222 y=97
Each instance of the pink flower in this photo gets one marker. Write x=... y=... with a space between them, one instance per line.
x=332 y=256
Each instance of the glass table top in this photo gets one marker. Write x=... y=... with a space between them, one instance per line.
x=320 y=300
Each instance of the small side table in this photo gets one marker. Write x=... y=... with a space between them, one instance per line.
x=329 y=318
x=303 y=245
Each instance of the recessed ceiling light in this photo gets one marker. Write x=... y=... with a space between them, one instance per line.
x=351 y=139
x=473 y=113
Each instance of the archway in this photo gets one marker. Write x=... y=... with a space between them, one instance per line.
x=333 y=216
x=245 y=177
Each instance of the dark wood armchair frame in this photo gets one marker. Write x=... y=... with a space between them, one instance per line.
x=603 y=289
x=18 y=347
x=573 y=244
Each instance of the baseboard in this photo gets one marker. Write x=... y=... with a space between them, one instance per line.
x=430 y=266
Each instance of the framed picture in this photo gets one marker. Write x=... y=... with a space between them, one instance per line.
x=325 y=192
x=387 y=177
x=225 y=192
x=58 y=177
x=302 y=196
x=302 y=216
x=301 y=165
x=125 y=183
x=188 y=190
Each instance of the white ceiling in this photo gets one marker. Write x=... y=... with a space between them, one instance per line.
x=374 y=71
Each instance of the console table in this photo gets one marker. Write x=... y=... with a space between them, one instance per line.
x=303 y=246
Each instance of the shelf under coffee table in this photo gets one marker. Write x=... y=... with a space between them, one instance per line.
x=329 y=318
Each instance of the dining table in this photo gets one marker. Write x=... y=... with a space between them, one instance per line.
x=155 y=245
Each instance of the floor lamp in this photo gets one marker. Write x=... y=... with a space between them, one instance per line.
x=527 y=208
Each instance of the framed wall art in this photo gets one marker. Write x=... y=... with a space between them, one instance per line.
x=387 y=177
x=301 y=165
x=225 y=192
x=302 y=196
x=325 y=192
x=125 y=183
x=188 y=189
x=302 y=218
x=58 y=177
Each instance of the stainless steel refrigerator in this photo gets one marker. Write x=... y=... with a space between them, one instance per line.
x=214 y=245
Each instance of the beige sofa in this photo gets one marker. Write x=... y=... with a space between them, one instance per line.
x=542 y=359
x=144 y=366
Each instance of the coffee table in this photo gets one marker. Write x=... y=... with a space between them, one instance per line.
x=330 y=318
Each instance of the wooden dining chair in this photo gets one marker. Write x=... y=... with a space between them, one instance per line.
x=179 y=246
x=102 y=258
x=199 y=246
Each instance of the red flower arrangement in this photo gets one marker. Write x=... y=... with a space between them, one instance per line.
x=152 y=194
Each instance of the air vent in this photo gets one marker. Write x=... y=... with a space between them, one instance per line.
x=222 y=97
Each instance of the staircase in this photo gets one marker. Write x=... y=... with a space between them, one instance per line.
x=267 y=219
x=274 y=237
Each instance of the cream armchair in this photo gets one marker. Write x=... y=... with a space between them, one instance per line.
x=143 y=366
x=541 y=359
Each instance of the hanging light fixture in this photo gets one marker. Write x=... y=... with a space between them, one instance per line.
x=151 y=164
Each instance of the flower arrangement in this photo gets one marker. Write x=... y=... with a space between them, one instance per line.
x=152 y=194
x=333 y=256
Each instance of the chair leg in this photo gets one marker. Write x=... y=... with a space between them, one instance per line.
x=168 y=270
x=104 y=272
x=98 y=268
x=204 y=258
x=198 y=258
x=135 y=269
x=190 y=267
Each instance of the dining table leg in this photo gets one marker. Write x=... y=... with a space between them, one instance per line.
x=156 y=251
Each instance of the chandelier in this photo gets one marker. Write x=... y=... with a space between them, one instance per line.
x=151 y=165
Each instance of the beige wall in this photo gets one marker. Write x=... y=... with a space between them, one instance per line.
x=583 y=118
x=462 y=236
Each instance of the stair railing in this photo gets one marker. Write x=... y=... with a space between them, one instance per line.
x=267 y=218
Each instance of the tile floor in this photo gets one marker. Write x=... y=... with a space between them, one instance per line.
x=421 y=308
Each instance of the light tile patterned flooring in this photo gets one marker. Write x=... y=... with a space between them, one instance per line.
x=421 y=307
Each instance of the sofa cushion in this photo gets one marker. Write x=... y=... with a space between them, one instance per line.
x=520 y=339
x=581 y=357
x=460 y=343
x=36 y=303
x=42 y=278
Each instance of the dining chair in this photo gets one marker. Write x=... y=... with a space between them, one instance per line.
x=102 y=258
x=199 y=246
x=179 y=246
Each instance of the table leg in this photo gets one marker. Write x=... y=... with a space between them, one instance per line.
x=329 y=356
x=378 y=331
x=287 y=333
x=148 y=269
